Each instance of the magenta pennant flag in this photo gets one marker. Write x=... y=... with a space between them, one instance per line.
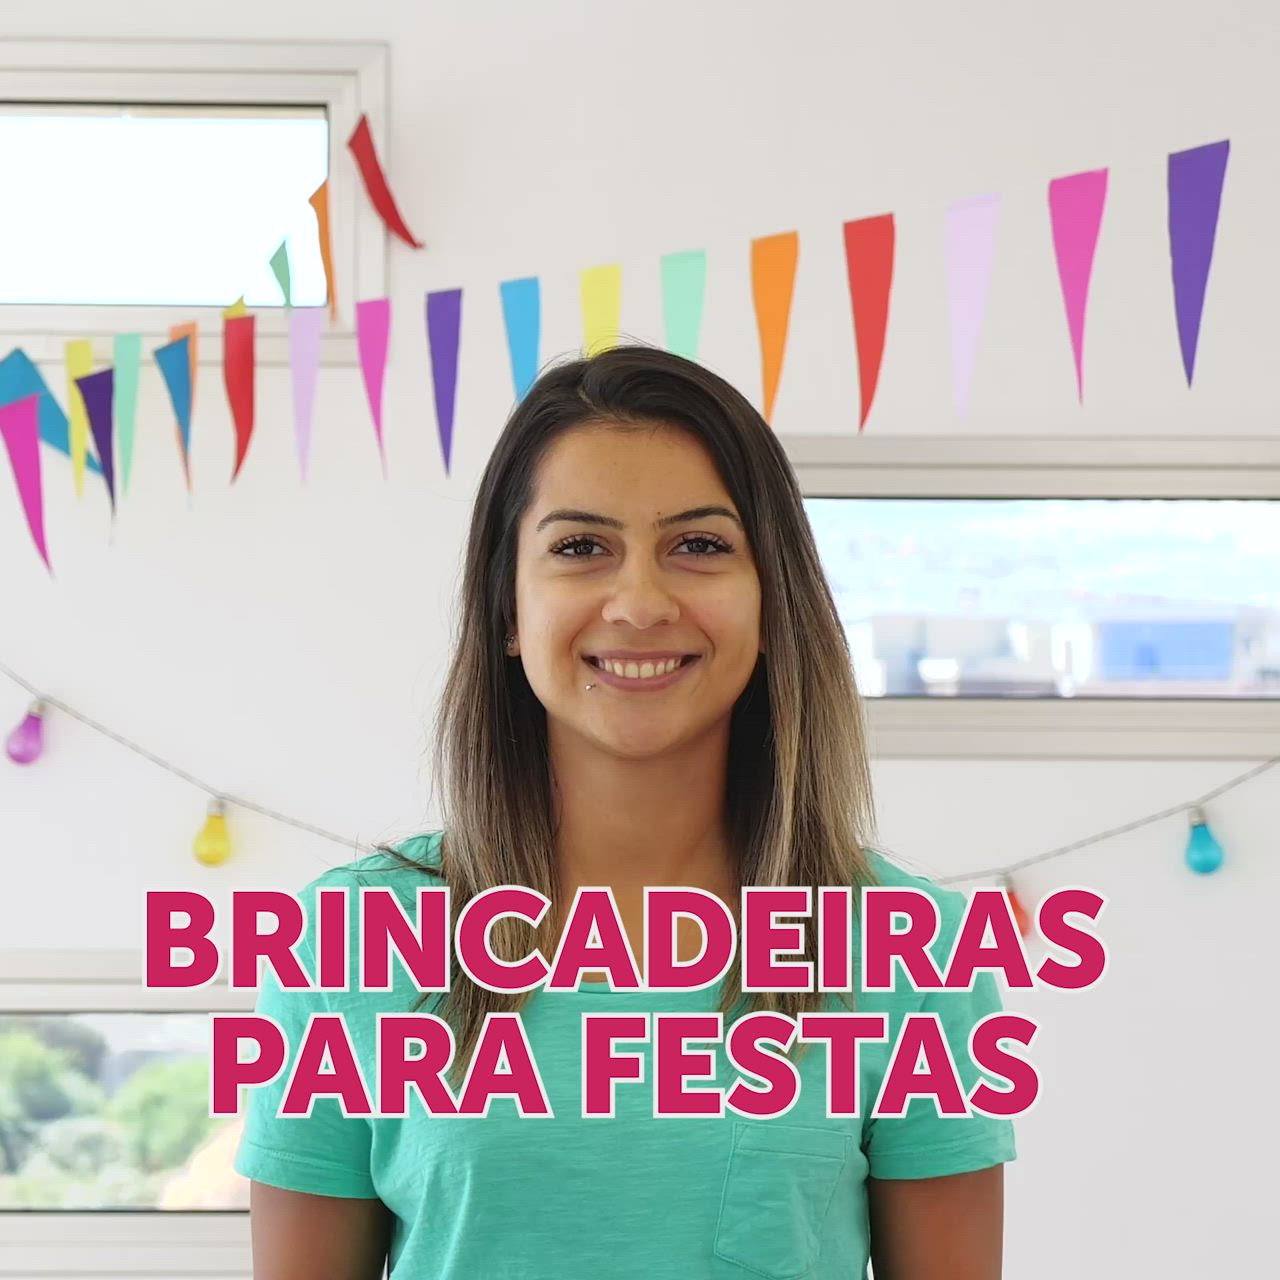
x=305 y=327
x=1195 y=195
x=20 y=427
x=373 y=325
x=1075 y=212
x=970 y=240
x=97 y=390
x=444 y=320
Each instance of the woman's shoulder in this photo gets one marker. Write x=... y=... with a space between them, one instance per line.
x=402 y=865
x=891 y=874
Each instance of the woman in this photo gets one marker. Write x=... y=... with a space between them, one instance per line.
x=636 y=511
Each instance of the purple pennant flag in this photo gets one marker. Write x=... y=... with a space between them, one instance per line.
x=444 y=319
x=1195 y=195
x=98 y=392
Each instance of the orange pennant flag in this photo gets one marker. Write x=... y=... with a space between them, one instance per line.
x=773 y=278
x=320 y=203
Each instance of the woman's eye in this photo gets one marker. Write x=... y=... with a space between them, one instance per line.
x=579 y=546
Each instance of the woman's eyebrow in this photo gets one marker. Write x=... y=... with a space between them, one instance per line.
x=589 y=517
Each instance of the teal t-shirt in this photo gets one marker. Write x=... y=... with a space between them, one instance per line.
x=688 y=1198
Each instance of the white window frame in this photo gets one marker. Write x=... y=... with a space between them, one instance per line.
x=157 y=1244
x=348 y=79
x=872 y=466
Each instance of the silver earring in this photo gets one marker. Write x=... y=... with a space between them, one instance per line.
x=509 y=641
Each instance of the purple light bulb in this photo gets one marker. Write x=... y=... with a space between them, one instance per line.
x=26 y=743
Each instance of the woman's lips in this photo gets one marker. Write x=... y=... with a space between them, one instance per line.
x=636 y=685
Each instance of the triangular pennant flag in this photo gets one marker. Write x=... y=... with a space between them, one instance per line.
x=190 y=330
x=684 y=279
x=235 y=310
x=522 y=315
x=773 y=278
x=127 y=360
x=79 y=361
x=97 y=392
x=20 y=378
x=601 y=295
x=375 y=182
x=969 y=248
x=305 y=327
x=20 y=427
x=373 y=324
x=1195 y=196
x=1075 y=212
x=238 y=377
x=280 y=269
x=319 y=201
x=868 y=251
x=174 y=360
x=444 y=319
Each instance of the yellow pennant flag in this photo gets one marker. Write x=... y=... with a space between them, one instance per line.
x=237 y=308
x=601 y=289
x=79 y=362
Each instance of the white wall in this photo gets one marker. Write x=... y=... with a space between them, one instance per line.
x=287 y=643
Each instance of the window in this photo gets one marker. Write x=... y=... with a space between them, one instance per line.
x=90 y=1052
x=155 y=205
x=129 y=94
x=1055 y=598
x=111 y=1111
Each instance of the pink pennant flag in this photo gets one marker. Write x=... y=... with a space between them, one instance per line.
x=1075 y=211
x=373 y=325
x=305 y=327
x=970 y=240
x=20 y=427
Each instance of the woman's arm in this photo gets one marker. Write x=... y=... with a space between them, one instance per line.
x=949 y=1228
x=300 y=1236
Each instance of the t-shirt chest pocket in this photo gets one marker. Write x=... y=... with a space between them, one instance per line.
x=777 y=1190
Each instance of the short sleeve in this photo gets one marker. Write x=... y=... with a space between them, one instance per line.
x=921 y=1143
x=325 y=1153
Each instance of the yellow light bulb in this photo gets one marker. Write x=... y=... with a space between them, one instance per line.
x=213 y=844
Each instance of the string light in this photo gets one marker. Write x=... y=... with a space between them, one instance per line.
x=213 y=844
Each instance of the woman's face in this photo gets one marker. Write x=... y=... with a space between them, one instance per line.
x=631 y=552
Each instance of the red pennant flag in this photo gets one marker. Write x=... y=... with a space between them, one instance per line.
x=237 y=375
x=868 y=249
x=375 y=182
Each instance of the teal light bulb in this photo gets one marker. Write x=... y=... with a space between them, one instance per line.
x=1204 y=853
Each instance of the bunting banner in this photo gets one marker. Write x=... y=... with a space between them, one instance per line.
x=444 y=321
x=280 y=269
x=773 y=279
x=191 y=332
x=375 y=182
x=174 y=360
x=20 y=427
x=306 y=324
x=96 y=390
x=319 y=202
x=868 y=252
x=126 y=358
x=969 y=241
x=600 y=292
x=238 y=377
x=1195 y=197
x=522 y=317
x=79 y=362
x=684 y=280
x=19 y=378
x=373 y=325
x=1075 y=212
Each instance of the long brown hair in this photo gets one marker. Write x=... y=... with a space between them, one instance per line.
x=799 y=800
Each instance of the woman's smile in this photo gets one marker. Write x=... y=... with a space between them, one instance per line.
x=634 y=675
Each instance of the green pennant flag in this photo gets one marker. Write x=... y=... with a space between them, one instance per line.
x=280 y=265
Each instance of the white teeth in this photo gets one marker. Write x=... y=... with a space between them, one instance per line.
x=639 y=671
